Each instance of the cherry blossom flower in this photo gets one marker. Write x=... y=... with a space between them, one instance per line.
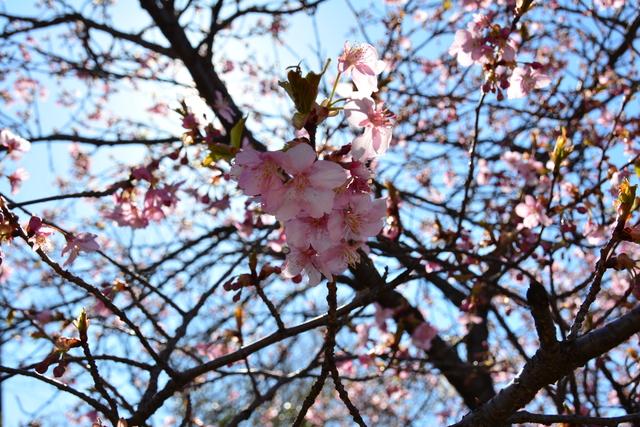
x=14 y=144
x=81 y=242
x=310 y=191
x=475 y=4
x=158 y=199
x=126 y=211
x=360 y=176
x=325 y=206
x=507 y=49
x=17 y=178
x=359 y=219
x=362 y=63
x=468 y=48
x=377 y=121
x=39 y=234
x=527 y=167
x=609 y=3
x=524 y=79
x=420 y=16
x=423 y=335
x=532 y=211
x=302 y=260
x=259 y=174
x=307 y=230
x=337 y=258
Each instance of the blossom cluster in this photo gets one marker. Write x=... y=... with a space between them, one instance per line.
x=156 y=202
x=39 y=233
x=325 y=205
x=493 y=47
x=14 y=146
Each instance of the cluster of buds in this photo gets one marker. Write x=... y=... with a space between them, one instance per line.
x=63 y=345
x=58 y=356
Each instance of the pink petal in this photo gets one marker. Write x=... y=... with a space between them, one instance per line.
x=365 y=83
x=327 y=175
x=522 y=210
x=357 y=111
x=362 y=146
x=381 y=139
x=297 y=159
x=318 y=202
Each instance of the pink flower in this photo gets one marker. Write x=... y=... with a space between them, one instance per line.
x=310 y=191
x=359 y=219
x=532 y=212
x=361 y=61
x=524 y=79
x=338 y=258
x=609 y=3
x=157 y=199
x=360 y=177
x=377 y=121
x=14 y=144
x=475 y=4
x=525 y=165
x=16 y=179
x=38 y=234
x=126 y=212
x=259 y=174
x=468 y=48
x=305 y=231
x=299 y=260
x=508 y=50
x=82 y=242
x=423 y=335
x=213 y=350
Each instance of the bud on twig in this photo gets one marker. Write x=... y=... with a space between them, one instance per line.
x=82 y=323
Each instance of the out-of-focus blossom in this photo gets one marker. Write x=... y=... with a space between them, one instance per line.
x=532 y=211
x=14 y=144
x=81 y=242
x=524 y=80
x=17 y=178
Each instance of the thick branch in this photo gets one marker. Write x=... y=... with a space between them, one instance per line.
x=548 y=366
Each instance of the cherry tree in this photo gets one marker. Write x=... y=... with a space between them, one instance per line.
x=319 y=212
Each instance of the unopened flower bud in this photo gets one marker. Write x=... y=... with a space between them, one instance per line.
x=245 y=280
x=59 y=370
x=82 y=323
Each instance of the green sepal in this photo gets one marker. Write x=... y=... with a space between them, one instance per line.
x=303 y=90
